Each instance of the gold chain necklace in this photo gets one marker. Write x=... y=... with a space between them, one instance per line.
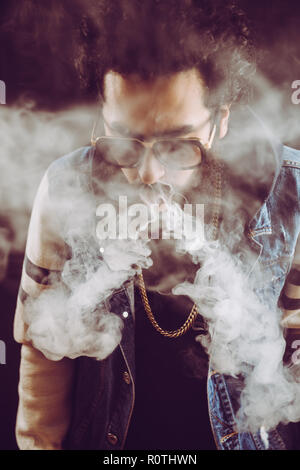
x=194 y=311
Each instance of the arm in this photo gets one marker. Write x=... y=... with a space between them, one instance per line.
x=44 y=386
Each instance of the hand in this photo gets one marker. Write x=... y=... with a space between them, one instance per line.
x=126 y=255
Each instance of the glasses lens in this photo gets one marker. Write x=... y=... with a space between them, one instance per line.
x=179 y=154
x=125 y=153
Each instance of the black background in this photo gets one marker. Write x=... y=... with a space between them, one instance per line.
x=34 y=62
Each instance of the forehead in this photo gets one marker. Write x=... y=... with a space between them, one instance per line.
x=166 y=101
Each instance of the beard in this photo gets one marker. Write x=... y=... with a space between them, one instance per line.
x=198 y=190
x=172 y=264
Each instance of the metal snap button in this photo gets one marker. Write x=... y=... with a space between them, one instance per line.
x=112 y=438
x=125 y=314
x=126 y=378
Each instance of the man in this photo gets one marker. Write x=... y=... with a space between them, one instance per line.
x=96 y=373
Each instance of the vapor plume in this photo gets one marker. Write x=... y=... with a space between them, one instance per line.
x=72 y=318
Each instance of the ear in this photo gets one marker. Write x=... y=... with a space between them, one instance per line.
x=223 y=120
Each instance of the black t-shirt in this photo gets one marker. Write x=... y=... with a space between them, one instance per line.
x=170 y=411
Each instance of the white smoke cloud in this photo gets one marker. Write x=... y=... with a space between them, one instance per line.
x=246 y=337
x=30 y=141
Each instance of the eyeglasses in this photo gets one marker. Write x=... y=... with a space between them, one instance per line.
x=176 y=153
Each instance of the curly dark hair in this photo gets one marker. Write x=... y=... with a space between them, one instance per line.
x=160 y=37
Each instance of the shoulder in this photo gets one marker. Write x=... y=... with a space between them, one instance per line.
x=77 y=160
x=62 y=186
x=290 y=166
x=290 y=157
x=284 y=197
x=72 y=170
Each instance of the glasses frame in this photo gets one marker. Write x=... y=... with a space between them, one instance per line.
x=149 y=145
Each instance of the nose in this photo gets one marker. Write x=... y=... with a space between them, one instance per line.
x=150 y=170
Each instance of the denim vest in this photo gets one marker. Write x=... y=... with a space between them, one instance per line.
x=273 y=235
x=104 y=391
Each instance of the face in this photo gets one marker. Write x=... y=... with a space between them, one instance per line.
x=169 y=106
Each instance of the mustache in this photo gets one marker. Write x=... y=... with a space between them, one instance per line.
x=161 y=191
